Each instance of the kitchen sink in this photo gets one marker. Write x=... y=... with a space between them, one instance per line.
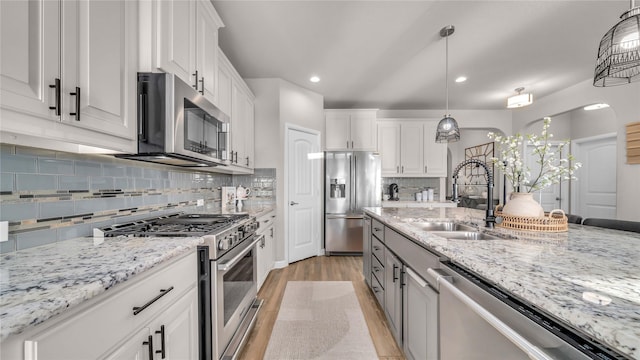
x=465 y=235
x=443 y=226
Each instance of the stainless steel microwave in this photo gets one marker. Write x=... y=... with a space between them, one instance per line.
x=177 y=125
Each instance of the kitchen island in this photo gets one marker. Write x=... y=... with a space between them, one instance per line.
x=588 y=278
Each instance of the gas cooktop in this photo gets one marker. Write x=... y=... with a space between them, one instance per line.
x=176 y=225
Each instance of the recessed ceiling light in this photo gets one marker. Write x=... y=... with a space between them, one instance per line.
x=596 y=106
x=314 y=79
x=460 y=79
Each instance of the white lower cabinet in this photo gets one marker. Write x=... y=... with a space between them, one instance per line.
x=266 y=247
x=105 y=327
x=134 y=348
x=393 y=294
x=420 y=323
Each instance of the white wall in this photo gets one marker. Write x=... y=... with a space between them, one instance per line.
x=625 y=102
x=591 y=123
x=279 y=102
x=267 y=118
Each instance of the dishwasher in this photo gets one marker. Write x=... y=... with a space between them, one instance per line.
x=477 y=320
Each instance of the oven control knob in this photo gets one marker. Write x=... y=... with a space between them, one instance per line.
x=224 y=244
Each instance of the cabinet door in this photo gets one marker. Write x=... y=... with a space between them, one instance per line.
x=389 y=147
x=248 y=133
x=136 y=348
x=420 y=319
x=30 y=57
x=206 y=49
x=366 y=249
x=176 y=38
x=224 y=88
x=179 y=326
x=435 y=154
x=237 y=123
x=363 y=131
x=337 y=128
x=411 y=149
x=393 y=294
x=99 y=62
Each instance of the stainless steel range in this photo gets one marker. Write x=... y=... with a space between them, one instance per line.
x=227 y=274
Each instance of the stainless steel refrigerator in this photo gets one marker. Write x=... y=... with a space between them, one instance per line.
x=352 y=181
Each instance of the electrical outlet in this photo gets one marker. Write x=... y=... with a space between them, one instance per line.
x=200 y=202
x=4 y=231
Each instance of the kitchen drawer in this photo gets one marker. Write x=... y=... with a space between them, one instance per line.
x=377 y=249
x=377 y=269
x=378 y=290
x=377 y=229
x=94 y=327
x=415 y=256
x=266 y=221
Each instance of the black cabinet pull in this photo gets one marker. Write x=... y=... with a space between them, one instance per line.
x=56 y=85
x=376 y=248
x=196 y=84
x=77 y=95
x=395 y=267
x=201 y=85
x=247 y=161
x=161 y=332
x=376 y=229
x=150 y=344
x=138 y=309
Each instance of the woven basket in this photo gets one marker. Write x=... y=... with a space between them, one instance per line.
x=554 y=221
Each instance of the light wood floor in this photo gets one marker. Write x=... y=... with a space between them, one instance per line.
x=322 y=268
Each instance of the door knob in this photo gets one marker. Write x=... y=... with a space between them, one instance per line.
x=293 y=203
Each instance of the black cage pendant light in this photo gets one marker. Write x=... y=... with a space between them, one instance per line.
x=448 y=130
x=619 y=52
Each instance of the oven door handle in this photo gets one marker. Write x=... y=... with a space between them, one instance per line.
x=231 y=263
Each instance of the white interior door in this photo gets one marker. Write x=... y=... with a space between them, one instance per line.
x=553 y=197
x=303 y=188
x=594 y=192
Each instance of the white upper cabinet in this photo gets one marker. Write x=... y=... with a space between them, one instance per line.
x=350 y=129
x=176 y=39
x=69 y=73
x=236 y=100
x=30 y=56
x=411 y=146
x=187 y=42
x=389 y=147
x=435 y=154
x=99 y=65
x=408 y=149
x=208 y=23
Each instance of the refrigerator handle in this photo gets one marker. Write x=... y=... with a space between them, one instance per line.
x=355 y=183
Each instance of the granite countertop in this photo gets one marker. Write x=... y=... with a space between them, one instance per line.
x=41 y=282
x=588 y=277
x=418 y=204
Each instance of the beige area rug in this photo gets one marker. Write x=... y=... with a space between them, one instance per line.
x=320 y=320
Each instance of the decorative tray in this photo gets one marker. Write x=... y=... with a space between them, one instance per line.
x=554 y=221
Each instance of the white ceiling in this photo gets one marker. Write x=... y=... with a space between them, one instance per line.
x=389 y=54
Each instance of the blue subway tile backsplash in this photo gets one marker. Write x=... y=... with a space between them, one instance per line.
x=35 y=182
x=55 y=166
x=50 y=196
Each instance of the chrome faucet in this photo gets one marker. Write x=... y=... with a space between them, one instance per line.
x=490 y=219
